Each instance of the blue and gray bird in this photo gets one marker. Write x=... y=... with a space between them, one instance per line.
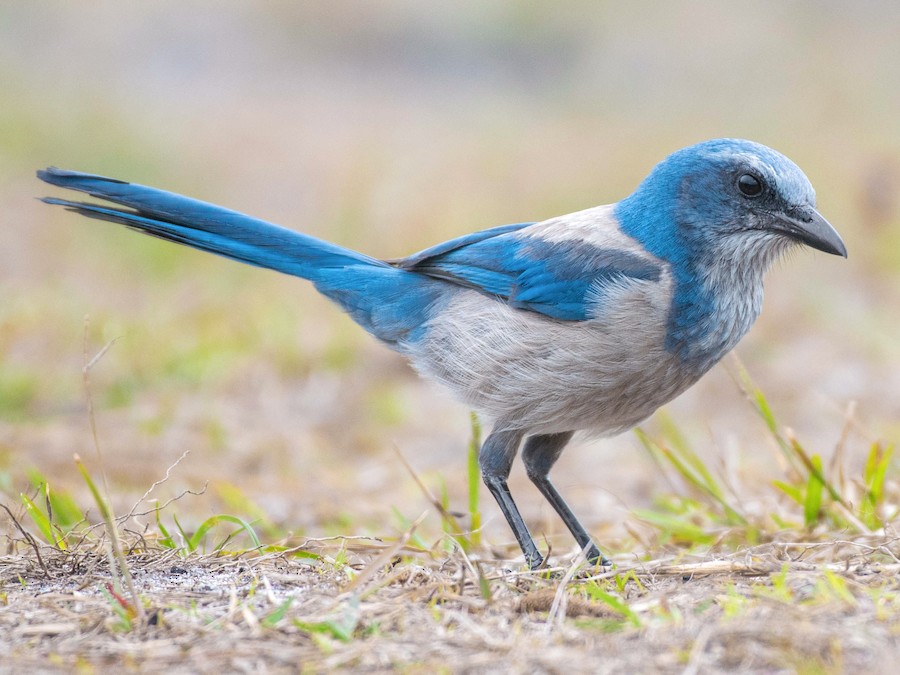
x=584 y=322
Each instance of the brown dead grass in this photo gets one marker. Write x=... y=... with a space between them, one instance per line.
x=766 y=609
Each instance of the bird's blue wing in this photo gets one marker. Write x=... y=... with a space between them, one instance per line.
x=553 y=278
x=455 y=244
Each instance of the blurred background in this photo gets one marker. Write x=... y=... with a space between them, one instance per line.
x=387 y=127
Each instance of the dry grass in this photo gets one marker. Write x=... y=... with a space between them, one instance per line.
x=135 y=592
x=373 y=605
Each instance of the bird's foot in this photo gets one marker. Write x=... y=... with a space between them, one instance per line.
x=595 y=557
x=535 y=561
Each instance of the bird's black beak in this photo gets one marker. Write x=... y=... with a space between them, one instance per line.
x=806 y=225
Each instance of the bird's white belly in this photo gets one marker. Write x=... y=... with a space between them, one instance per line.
x=527 y=371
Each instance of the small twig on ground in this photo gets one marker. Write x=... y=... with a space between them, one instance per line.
x=156 y=484
x=464 y=555
x=435 y=502
x=382 y=558
x=183 y=493
x=558 y=609
x=27 y=538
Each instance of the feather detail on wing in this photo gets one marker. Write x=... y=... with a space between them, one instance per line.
x=557 y=276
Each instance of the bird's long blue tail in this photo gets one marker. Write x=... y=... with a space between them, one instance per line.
x=388 y=302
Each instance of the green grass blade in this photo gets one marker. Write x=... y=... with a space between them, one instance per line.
x=42 y=522
x=105 y=511
x=623 y=579
x=341 y=627
x=212 y=521
x=814 y=468
x=671 y=432
x=837 y=586
x=812 y=504
x=792 y=491
x=474 y=482
x=166 y=540
x=275 y=617
x=444 y=499
x=677 y=528
x=615 y=603
x=692 y=470
x=66 y=513
x=115 y=548
x=184 y=535
x=874 y=474
x=755 y=395
x=236 y=501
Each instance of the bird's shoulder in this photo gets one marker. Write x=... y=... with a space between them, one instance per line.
x=558 y=267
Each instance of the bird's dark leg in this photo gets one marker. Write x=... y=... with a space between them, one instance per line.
x=539 y=455
x=496 y=458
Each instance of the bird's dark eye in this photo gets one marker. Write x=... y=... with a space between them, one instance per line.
x=750 y=185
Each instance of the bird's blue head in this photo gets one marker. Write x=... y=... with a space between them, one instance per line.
x=720 y=212
x=726 y=199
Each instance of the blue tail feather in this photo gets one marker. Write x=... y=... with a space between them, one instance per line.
x=388 y=302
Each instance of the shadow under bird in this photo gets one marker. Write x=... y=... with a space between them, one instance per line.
x=584 y=322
